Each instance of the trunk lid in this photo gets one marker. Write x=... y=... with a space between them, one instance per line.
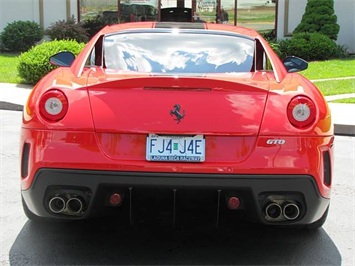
x=210 y=105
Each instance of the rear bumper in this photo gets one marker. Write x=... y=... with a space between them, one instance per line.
x=176 y=193
x=225 y=155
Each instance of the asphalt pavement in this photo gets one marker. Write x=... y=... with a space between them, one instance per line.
x=14 y=96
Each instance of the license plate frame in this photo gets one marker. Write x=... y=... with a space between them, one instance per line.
x=175 y=148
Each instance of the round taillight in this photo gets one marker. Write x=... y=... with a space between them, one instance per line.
x=301 y=112
x=53 y=105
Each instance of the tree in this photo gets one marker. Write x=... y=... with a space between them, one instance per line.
x=319 y=17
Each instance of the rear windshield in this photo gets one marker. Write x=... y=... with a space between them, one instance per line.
x=178 y=53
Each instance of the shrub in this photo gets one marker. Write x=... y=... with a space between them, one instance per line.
x=34 y=64
x=268 y=35
x=93 y=25
x=19 y=36
x=342 y=51
x=67 y=30
x=277 y=49
x=319 y=17
x=310 y=46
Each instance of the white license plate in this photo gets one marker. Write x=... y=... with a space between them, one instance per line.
x=175 y=148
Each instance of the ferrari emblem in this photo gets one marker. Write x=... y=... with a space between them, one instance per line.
x=177 y=113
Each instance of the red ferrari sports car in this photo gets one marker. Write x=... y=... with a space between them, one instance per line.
x=168 y=121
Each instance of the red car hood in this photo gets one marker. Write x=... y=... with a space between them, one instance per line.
x=212 y=105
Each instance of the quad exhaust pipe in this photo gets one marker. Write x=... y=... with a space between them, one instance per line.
x=277 y=212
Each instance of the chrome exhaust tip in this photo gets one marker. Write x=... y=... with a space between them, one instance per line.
x=273 y=211
x=291 y=211
x=56 y=204
x=74 y=205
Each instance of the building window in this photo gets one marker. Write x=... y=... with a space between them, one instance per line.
x=92 y=8
x=259 y=15
x=128 y=11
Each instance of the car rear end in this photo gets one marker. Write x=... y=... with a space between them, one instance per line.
x=187 y=128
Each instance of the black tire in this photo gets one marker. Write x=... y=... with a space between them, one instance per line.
x=319 y=223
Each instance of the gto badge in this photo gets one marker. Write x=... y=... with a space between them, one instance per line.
x=176 y=112
x=275 y=141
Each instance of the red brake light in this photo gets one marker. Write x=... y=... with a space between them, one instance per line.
x=53 y=105
x=301 y=112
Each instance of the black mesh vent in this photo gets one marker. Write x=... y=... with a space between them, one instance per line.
x=327 y=169
x=24 y=161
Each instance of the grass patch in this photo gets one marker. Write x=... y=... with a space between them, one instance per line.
x=334 y=87
x=8 y=68
x=330 y=69
x=349 y=100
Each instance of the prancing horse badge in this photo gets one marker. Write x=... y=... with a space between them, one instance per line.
x=177 y=113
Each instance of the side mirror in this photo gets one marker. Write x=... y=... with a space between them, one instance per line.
x=295 y=64
x=62 y=59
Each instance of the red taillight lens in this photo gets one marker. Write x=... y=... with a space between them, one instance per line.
x=301 y=112
x=53 y=105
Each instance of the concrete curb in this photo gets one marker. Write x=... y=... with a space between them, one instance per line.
x=344 y=130
x=343 y=116
x=339 y=97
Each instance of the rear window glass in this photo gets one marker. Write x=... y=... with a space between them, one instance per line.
x=178 y=53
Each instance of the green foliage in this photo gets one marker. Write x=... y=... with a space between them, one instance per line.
x=8 y=68
x=311 y=46
x=336 y=68
x=93 y=25
x=19 y=36
x=319 y=17
x=268 y=35
x=277 y=48
x=347 y=100
x=34 y=64
x=67 y=30
x=334 y=87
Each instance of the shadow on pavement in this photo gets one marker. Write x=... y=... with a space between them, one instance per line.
x=10 y=106
x=104 y=242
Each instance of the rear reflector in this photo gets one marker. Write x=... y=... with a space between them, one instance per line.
x=233 y=203
x=115 y=199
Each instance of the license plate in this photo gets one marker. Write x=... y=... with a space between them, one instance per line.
x=175 y=148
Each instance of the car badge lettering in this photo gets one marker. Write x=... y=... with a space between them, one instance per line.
x=276 y=141
x=177 y=113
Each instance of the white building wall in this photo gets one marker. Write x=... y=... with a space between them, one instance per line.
x=74 y=8
x=53 y=10
x=290 y=13
x=13 y=10
x=345 y=11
